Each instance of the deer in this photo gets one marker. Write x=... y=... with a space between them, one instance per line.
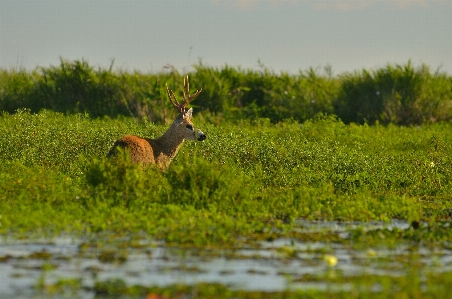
x=162 y=150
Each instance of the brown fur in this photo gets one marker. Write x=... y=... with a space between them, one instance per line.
x=162 y=150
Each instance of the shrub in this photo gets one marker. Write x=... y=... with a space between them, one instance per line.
x=119 y=182
x=402 y=95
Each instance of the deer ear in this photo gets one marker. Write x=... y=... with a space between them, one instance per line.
x=180 y=118
x=189 y=113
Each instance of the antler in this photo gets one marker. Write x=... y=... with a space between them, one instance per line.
x=181 y=106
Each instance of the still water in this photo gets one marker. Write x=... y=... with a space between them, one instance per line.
x=272 y=266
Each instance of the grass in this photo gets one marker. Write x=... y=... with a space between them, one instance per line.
x=249 y=181
x=275 y=161
x=396 y=94
x=244 y=178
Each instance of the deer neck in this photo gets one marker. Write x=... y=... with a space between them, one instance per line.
x=166 y=146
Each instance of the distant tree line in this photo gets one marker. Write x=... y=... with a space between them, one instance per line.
x=398 y=94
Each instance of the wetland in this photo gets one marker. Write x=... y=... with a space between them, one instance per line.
x=297 y=207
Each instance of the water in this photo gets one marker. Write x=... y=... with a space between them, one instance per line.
x=274 y=266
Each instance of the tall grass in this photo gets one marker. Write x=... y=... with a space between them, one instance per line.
x=400 y=94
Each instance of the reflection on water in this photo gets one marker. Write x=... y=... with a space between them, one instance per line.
x=276 y=265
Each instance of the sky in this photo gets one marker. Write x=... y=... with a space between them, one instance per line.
x=283 y=35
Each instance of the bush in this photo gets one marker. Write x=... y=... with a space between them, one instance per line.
x=202 y=184
x=401 y=95
x=119 y=182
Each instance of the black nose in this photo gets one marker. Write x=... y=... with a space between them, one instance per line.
x=202 y=137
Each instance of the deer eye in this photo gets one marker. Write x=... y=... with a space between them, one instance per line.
x=190 y=127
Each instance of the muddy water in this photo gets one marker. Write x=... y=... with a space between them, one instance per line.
x=276 y=265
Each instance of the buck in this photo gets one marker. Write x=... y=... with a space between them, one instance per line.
x=161 y=151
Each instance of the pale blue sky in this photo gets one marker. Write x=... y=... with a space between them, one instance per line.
x=289 y=35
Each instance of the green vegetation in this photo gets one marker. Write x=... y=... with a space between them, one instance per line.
x=274 y=154
x=401 y=287
x=401 y=94
x=246 y=178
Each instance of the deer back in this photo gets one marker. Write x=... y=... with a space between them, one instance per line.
x=140 y=149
